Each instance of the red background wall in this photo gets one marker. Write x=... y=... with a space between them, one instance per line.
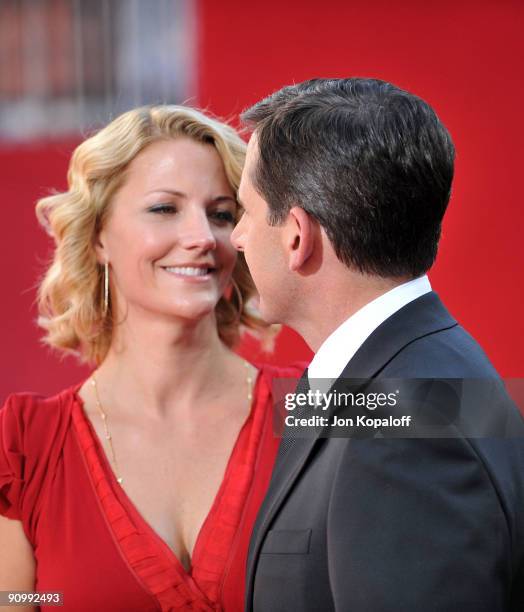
x=461 y=56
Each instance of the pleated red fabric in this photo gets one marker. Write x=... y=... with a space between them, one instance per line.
x=92 y=544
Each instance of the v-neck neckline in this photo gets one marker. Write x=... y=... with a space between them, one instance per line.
x=83 y=422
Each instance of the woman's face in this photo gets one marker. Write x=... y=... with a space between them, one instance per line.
x=167 y=234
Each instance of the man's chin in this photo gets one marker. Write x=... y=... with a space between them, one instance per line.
x=268 y=313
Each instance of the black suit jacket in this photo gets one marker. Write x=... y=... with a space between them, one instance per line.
x=403 y=525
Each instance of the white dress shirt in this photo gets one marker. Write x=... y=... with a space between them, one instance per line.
x=340 y=346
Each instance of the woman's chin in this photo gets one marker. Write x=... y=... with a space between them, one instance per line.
x=194 y=311
x=190 y=310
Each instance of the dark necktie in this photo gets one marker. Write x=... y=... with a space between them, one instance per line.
x=287 y=442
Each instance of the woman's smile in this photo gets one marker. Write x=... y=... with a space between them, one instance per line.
x=197 y=274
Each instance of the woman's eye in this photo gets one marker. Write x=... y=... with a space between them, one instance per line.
x=163 y=209
x=224 y=216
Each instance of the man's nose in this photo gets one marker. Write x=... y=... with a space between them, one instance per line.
x=237 y=237
x=198 y=234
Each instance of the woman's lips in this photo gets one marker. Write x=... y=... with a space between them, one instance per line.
x=194 y=273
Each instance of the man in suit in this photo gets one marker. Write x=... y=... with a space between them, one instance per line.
x=344 y=190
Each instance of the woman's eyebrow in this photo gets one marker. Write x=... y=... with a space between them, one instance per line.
x=170 y=191
x=181 y=194
x=225 y=198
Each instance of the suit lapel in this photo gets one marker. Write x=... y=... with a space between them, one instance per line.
x=421 y=317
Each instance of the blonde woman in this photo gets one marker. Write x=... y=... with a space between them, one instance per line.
x=138 y=488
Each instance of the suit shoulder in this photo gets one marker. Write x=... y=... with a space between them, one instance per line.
x=447 y=353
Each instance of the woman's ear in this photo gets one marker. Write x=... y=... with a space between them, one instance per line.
x=102 y=254
x=300 y=237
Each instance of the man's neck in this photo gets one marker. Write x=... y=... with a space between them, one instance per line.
x=344 y=342
x=332 y=304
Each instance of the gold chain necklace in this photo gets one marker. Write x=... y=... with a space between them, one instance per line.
x=107 y=433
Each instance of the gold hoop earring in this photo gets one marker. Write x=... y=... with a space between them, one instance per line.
x=240 y=299
x=106 y=289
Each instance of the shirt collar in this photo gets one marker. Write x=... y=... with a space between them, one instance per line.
x=342 y=344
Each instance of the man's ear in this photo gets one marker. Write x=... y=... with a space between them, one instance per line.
x=300 y=237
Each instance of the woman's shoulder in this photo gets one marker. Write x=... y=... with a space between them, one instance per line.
x=292 y=370
x=277 y=379
x=29 y=420
x=27 y=408
x=32 y=433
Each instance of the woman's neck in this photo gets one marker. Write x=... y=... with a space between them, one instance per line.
x=159 y=363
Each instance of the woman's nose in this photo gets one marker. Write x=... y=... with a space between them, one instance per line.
x=198 y=234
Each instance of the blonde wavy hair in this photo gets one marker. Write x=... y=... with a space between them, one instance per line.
x=70 y=296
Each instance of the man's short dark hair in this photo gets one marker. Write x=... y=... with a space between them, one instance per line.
x=371 y=162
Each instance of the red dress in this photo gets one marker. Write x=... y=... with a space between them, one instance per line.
x=89 y=540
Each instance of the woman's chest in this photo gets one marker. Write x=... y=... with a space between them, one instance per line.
x=77 y=551
x=173 y=477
